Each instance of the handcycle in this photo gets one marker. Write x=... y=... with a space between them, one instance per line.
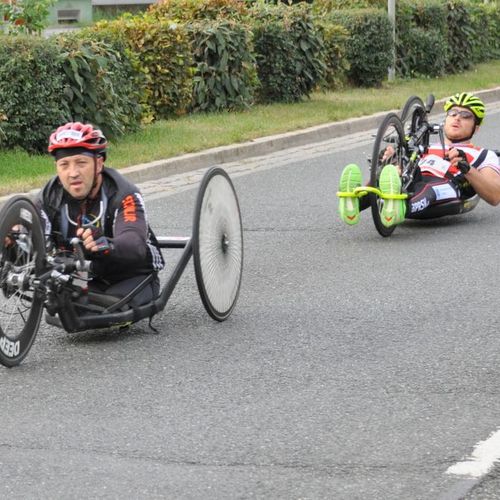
x=35 y=278
x=407 y=136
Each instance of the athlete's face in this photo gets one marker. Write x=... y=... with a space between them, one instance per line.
x=459 y=124
x=76 y=174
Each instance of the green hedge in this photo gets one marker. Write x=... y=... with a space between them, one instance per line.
x=460 y=36
x=370 y=49
x=224 y=71
x=426 y=54
x=325 y=6
x=436 y=37
x=102 y=85
x=32 y=88
x=289 y=52
x=226 y=54
x=493 y=14
x=421 y=38
x=164 y=51
x=197 y=10
x=335 y=41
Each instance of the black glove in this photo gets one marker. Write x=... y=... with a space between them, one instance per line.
x=463 y=165
x=103 y=244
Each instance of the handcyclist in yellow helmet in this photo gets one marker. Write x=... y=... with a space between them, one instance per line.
x=444 y=178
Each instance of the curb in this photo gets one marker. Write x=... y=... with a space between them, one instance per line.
x=269 y=144
x=261 y=146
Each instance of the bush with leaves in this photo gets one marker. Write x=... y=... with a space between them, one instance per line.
x=326 y=6
x=425 y=55
x=335 y=40
x=480 y=23
x=421 y=38
x=289 y=52
x=370 y=49
x=164 y=51
x=25 y=16
x=460 y=36
x=224 y=71
x=223 y=63
x=100 y=83
x=31 y=91
x=493 y=13
x=194 y=10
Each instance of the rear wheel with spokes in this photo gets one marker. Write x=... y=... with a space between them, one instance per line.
x=218 y=244
x=22 y=258
x=390 y=134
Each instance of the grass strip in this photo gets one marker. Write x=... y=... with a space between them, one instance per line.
x=163 y=139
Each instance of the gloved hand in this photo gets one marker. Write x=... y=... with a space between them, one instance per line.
x=463 y=165
x=93 y=239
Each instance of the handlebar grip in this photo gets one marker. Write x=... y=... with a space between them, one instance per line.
x=78 y=248
x=429 y=103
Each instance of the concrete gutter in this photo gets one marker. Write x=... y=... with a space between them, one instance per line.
x=264 y=145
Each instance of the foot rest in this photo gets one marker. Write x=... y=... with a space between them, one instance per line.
x=364 y=190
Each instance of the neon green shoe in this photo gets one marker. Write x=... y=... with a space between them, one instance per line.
x=349 y=206
x=393 y=211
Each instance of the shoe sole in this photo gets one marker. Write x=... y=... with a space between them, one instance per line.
x=349 y=206
x=390 y=183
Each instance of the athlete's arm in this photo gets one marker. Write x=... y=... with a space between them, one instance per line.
x=486 y=183
x=485 y=180
x=129 y=232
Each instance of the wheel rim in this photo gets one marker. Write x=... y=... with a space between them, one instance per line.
x=17 y=296
x=219 y=251
x=412 y=114
x=21 y=257
x=390 y=133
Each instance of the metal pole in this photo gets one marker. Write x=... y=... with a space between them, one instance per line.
x=391 y=11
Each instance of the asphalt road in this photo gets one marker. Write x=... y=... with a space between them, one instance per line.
x=353 y=366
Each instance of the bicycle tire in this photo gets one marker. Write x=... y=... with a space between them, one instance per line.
x=22 y=259
x=411 y=102
x=218 y=244
x=413 y=114
x=390 y=132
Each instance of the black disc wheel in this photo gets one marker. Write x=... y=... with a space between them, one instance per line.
x=390 y=134
x=22 y=260
x=217 y=243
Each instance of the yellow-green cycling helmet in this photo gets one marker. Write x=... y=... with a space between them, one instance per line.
x=469 y=101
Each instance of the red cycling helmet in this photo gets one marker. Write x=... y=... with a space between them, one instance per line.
x=78 y=135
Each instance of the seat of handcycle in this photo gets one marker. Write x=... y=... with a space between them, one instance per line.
x=108 y=302
x=92 y=303
x=104 y=300
x=94 y=309
x=453 y=207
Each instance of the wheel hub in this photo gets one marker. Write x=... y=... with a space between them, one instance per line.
x=224 y=243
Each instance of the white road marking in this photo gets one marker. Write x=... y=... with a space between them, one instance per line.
x=484 y=456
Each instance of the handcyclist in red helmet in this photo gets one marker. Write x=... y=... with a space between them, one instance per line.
x=98 y=205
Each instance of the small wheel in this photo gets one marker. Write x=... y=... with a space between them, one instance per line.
x=413 y=102
x=390 y=133
x=413 y=115
x=217 y=243
x=22 y=259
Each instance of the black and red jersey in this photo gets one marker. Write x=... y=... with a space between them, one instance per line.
x=118 y=213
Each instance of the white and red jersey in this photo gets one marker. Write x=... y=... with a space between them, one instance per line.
x=433 y=163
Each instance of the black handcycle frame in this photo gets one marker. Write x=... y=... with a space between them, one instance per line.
x=32 y=280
